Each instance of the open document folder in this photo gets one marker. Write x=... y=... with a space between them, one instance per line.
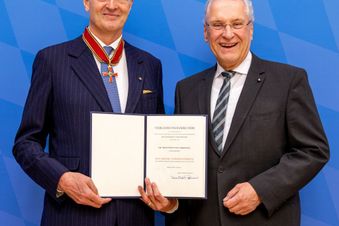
x=170 y=150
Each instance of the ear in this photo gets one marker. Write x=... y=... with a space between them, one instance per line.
x=131 y=4
x=86 y=5
x=252 y=30
x=205 y=33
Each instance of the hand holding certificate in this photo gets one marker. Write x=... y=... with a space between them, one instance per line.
x=170 y=150
x=152 y=197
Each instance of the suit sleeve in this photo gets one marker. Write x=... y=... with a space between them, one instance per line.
x=35 y=126
x=307 y=150
x=177 y=100
x=181 y=216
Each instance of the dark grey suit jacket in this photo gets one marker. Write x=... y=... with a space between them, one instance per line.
x=276 y=143
x=66 y=86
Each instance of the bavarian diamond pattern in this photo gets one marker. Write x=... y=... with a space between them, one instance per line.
x=303 y=33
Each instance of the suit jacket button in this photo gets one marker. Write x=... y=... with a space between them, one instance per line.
x=221 y=169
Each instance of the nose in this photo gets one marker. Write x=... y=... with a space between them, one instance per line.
x=111 y=4
x=228 y=32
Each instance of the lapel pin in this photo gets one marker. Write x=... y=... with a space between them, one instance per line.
x=259 y=80
x=140 y=78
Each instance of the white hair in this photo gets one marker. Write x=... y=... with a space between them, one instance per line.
x=248 y=4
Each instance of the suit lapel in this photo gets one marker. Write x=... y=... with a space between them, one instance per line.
x=205 y=90
x=135 y=77
x=84 y=66
x=254 y=81
x=205 y=87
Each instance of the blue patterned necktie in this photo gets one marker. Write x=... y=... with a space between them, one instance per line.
x=219 y=114
x=111 y=85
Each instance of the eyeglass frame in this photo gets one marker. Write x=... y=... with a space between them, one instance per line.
x=231 y=25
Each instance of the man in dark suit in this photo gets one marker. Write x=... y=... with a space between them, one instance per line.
x=266 y=140
x=95 y=72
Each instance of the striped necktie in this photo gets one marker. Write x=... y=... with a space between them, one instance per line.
x=219 y=114
x=111 y=86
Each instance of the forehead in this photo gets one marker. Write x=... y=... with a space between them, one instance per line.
x=226 y=10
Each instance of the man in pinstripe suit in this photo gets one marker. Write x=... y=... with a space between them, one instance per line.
x=66 y=86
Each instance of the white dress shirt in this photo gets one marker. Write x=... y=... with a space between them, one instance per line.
x=121 y=69
x=237 y=83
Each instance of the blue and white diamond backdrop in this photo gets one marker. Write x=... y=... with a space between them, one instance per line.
x=304 y=33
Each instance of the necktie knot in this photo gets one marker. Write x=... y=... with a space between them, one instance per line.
x=108 y=50
x=228 y=74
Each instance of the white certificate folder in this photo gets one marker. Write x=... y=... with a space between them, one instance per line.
x=171 y=150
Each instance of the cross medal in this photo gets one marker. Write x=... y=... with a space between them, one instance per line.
x=110 y=73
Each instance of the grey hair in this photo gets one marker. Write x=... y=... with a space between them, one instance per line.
x=249 y=8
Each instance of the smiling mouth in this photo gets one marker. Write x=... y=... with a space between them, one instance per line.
x=228 y=45
x=111 y=15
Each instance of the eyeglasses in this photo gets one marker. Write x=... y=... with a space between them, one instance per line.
x=117 y=1
x=234 y=26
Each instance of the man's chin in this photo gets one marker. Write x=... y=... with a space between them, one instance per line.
x=112 y=29
x=227 y=62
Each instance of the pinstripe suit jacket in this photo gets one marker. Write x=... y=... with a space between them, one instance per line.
x=66 y=86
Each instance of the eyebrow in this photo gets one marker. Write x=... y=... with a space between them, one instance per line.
x=222 y=21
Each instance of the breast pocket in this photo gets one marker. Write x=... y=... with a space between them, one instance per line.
x=148 y=102
x=264 y=124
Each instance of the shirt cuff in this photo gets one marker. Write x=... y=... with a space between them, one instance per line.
x=175 y=207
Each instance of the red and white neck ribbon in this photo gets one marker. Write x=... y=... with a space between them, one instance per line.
x=101 y=54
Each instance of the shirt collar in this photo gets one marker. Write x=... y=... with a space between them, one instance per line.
x=114 y=44
x=242 y=69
